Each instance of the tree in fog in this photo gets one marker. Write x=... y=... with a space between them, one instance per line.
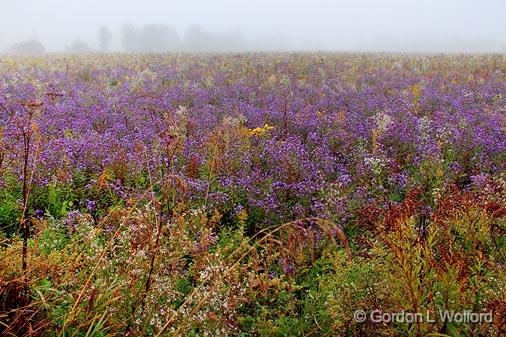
x=151 y=38
x=78 y=47
x=104 y=39
x=129 y=38
x=198 y=40
x=158 y=38
x=30 y=47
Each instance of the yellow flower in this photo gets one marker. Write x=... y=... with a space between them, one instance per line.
x=68 y=133
x=261 y=131
x=416 y=91
x=242 y=216
x=439 y=172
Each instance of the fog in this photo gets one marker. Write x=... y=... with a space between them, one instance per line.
x=250 y=25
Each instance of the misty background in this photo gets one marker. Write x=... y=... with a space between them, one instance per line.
x=82 y=26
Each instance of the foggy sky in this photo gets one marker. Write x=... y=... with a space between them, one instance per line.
x=347 y=25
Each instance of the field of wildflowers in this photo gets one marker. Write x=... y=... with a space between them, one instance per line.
x=251 y=194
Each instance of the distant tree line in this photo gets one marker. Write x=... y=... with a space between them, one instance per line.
x=162 y=38
x=152 y=38
x=30 y=48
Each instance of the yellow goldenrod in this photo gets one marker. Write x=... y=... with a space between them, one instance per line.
x=261 y=131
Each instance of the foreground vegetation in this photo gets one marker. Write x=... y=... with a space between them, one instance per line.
x=251 y=195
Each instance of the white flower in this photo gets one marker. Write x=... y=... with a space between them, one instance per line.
x=383 y=121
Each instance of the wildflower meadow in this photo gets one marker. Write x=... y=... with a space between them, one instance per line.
x=260 y=194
